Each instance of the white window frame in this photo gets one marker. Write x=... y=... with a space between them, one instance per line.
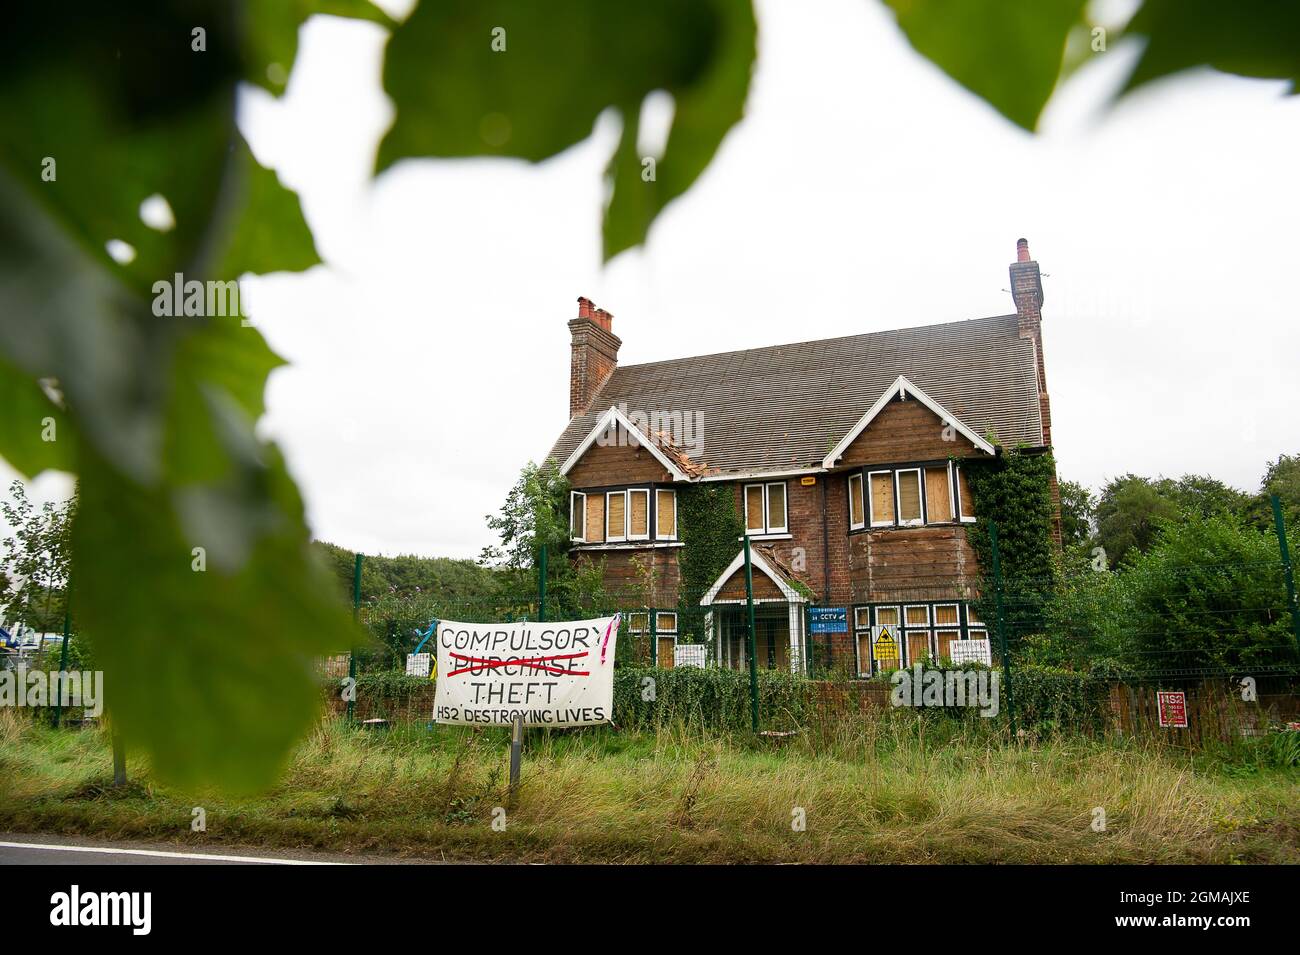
x=676 y=530
x=934 y=618
x=744 y=506
x=917 y=626
x=957 y=498
x=920 y=496
x=622 y=537
x=862 y=490
x=663 y=632
x=871 y=511
x=574 y=497
x=767 y=528
x=627 y=514
x=785 y=508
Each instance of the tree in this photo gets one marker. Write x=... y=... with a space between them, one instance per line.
x=1281 y=477
x=535 y=513
x=1077 y=510
x=34 y=566
x=1129 y=512
x=1204 y=495
x=1209 y=593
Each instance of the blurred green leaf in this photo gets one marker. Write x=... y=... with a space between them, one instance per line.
x=29 y=418
x=703 y=114
x=527 y=80
x=210 y=671
x=1258 y=38
x=1009 y=54
x=272 y=33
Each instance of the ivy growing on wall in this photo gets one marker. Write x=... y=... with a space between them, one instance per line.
x=710 y=530
x=1015 y=491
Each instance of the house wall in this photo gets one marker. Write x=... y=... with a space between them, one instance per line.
x=842 y=568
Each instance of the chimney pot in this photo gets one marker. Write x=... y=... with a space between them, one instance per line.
x=1022 y=250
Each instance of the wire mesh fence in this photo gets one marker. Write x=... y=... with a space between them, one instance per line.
x=1200 y=651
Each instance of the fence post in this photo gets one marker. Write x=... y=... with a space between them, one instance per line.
x=808 y=640
x=1002 y=627
x=541 y=585
x=356 y=618
x=63 y=655
x=1287 y=572
x=752 y=642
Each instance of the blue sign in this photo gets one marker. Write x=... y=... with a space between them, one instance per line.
x=829 y=619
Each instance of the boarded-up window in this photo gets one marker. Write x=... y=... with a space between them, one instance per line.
x=909 y=497
x=776 y=507
x=918 y=616
x=638 y=524
x=595 y=518
x=882 y=498
x=754 y=507
x=855 y=501
x=945 y=615
x=886 y=616
x=938 y=502
x=963 y=492
x=616 y=515
x=944 y=639
x=666 y=515
x=638 y=622
x=578 y=516
x=972 y=618
x=918 y=645
x=862 y=617
x=666 y=622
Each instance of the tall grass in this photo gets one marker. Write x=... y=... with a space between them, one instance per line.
x=886 y=786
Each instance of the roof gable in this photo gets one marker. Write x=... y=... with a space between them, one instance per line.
x=761 y=564
x=902 y=388
x=611 y=421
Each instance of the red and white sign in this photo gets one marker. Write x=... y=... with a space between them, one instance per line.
x=548 y=674
x=1173 y=708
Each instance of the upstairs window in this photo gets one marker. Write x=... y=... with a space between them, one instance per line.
x=908 y=491
x=578 y=517
x=966 y=506
x=616 y=516
x=765 y=508
x=623 y=516
x=856 y=505
x=909 y=497
x=638 y=514
x=882 y=498
x=666 y=515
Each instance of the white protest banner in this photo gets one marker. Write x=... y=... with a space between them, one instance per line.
x=551 y=674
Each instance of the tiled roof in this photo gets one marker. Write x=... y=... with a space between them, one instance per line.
x=784 y=407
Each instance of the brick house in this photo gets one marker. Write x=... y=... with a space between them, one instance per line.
x=845 y=456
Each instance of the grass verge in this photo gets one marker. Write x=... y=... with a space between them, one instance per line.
x=890 y=790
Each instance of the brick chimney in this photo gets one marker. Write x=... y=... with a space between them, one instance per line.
x=594 y=356
x=1027 y=293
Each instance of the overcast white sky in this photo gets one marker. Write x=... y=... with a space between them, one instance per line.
x=864 y=190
